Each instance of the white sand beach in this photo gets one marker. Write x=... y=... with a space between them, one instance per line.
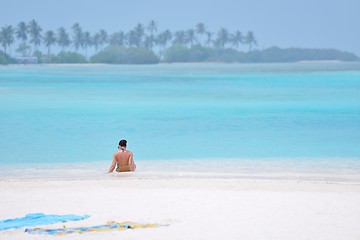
x=193 y=208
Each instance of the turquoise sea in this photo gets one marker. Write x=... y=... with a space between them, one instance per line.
x=233 y=118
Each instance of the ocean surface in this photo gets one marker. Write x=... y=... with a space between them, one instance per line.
x=238 y=119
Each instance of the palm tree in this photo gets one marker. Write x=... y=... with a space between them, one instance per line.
x=35 y=33
x=117 y=39
x=148 y=42
x=200 y=29
x=96 y=41
x=152 y=27
x=6 y=36
x=21 y=31
x=103 y=38
x=135 y=36
x=77 y=36
x=139 y=33
x=180 y=38
x=49 y=39
x=63 y=39
x=250 y=39
x=190 y=37
x=87 y=41
x=209 y=38
x=167 y=35
x=162 y=40
x=237 y=39
x=222 y=38
x=131 y=38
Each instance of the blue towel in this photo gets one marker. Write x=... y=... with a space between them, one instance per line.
x=35 y=219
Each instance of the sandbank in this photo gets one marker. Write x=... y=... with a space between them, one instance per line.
x=194 y=208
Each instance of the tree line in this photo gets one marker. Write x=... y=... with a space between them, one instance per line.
x=145 y=44
x=31 y=36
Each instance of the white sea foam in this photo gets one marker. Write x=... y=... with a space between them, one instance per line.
x=299 y=169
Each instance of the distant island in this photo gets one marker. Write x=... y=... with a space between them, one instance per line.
x=144 y=45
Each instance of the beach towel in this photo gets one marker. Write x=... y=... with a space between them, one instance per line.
x=110 y=226
x=36 y=219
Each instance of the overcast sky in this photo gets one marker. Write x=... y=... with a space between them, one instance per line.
x=284 y=23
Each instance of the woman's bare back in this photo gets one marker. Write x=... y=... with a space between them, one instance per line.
x=123 y=157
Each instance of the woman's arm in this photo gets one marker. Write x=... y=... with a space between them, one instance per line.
x=113 y=165
x=131 y=162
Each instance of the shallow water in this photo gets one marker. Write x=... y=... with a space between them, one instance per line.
x=272 y=112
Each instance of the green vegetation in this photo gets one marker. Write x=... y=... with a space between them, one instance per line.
x=144 y=44
x=276 y=54
x=69 y=57
x=5 y=59
x=180 y=53
x=123 y=55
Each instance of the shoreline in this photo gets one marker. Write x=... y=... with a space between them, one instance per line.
x=342 y=171
x=124 y=182
x=181 y=176
x=322 y=170
x=182 y=63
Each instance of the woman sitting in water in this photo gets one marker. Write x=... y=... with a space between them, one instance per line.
x=123 y=159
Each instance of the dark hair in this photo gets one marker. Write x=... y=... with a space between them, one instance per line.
x=122 y=143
